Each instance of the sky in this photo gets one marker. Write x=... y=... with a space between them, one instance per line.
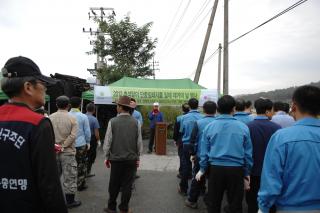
x=283 y=53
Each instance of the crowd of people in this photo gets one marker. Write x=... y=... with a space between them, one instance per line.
x=271 y=157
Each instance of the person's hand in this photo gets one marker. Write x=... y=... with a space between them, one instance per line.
x=138 y=163
x=199 y=175
x=99 y=143
x=192 y=158
x=247 y=183
x=260 y=211
x=58 y=148
x=88 y=146
x=107 y=163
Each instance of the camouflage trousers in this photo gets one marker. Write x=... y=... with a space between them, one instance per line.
x=68 y=169
x=81 y=157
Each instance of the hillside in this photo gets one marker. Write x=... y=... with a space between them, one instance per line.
x=275 y=95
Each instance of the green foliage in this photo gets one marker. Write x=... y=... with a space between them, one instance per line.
x=127 y=47
x=169 y=113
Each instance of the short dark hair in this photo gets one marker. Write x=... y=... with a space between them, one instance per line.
x=307 y=98
x=278 y=106
x=248 y=104
x=210 y=107
x=75 y=102
x=90 y=107
x=62 y=102
x=193 y=103
x=12 y=87
x=240 y=105
x=262 y=105
x=286 y=107
x=185 y=108
x=226 y=104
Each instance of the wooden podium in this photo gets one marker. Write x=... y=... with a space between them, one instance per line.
x=161 y=138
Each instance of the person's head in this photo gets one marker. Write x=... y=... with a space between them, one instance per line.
x=210 y=108
x=306 y=102
x=63 y=102
x=75 y=102
x=278 y=106
x=133 y=103
x=226 y=104
x=91 y=108
x=240 y=105
x=286 y=107
x=193 y=103
x=185 y=108
x=123 y=105
x=264 y=107
x=156 y=106
x=248 y=106
x=23 y=82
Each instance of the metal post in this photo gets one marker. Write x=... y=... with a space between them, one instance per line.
x=219 y=70
x=205 y=43
x=226 y=49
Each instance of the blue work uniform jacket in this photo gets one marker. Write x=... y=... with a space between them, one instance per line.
x=187 y=123
x=226 y=142
x=243 y=116
x=197 y=133
x=291 y=169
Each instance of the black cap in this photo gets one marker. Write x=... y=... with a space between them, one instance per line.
x=23 y=67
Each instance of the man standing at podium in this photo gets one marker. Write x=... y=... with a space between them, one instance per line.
x=154 y=116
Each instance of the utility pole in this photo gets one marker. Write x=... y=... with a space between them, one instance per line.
x=226 y=49
x=219 y=70
x=205 y=43
x=93 y=15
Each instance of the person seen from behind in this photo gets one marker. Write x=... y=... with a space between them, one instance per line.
x=261 y=130
x=177 y=137
x=291 y=171
x=198 y=187
x=281 y=115
x=65 y=129
x=122 y=148
x=240 y=113
x=226 y=151
x=95 y=137
x=82 y=141
x=186 y=126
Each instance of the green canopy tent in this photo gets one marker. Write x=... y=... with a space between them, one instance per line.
x=184 y=83
x=168 y=84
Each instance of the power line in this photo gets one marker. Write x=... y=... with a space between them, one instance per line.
x=178 y=23
x=211 y=56
x=180 y=43
x=199 y=13
x=205 y=61
x=172 y=21
x=271 y=19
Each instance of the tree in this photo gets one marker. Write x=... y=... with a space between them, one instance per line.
x=126 y=47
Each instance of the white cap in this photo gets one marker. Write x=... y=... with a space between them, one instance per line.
x=155 y=104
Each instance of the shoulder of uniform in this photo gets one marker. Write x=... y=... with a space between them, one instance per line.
x=20 y=114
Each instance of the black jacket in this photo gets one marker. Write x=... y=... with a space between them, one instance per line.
x=29 y=180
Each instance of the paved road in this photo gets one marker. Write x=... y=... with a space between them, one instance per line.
x=155 y=191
